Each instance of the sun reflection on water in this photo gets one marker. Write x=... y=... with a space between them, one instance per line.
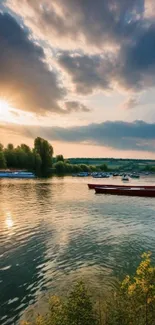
x=9 y=221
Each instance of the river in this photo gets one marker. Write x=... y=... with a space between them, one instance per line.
x=55 y=231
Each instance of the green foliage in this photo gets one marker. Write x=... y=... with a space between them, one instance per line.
x=10 y=146
x=1 y=147
x=104 y=167
x=59 y=158
x=79 y=308
x=23 y=157
x=37 y=163
x=2 y=160
x=45 y=150
x=132 y=304
x=85 y=168
x=59 y=167
x=11 y=157
x=25 y=148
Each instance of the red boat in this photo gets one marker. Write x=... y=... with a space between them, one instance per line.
x=132 y=191
x=93 y=186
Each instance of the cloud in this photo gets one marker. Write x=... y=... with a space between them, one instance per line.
x=130 y=103
x=75 y=106
x=88 y=22
x=88 y=72
x=25 y=77
x=131 y=68
x=110 y=45
x=137 y=135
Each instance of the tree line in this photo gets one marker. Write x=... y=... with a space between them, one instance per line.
x=37 y=159
x=40 y=160
x=132 y=303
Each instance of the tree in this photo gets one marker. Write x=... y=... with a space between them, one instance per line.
x=45 y=150
x=11 y=158
x=1 y=147
x=10 y=146
x=76 y=169
x=21 y=157
x=59 y=167
x=104 y=167
x=25 y=148
x=2 y=160
x=85 y=168
x=59 y=158
x=37 y=164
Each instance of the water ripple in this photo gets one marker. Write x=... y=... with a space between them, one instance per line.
x=56 y=231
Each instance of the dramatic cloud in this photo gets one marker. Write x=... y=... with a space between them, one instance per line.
x=131 y=68
x=120 y=135
x=89 y=22
x=88 y=72
x=121 y=32
x=25 y=77
x=53 y=52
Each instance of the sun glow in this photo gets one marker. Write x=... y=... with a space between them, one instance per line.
x=4 y=105
x=7 y=111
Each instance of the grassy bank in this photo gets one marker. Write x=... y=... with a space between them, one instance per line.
x=133 y=303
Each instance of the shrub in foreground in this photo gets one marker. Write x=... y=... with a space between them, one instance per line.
x=132 y=304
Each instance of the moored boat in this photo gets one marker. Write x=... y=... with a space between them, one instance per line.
x=125 y=178
x=100 y=175
x=132 y=191
x=93 y=186
x=16 y=174
x=135 y=176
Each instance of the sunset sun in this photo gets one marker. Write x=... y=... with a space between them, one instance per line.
x=5 y=106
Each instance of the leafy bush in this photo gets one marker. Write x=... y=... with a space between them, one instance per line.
x=132 y=304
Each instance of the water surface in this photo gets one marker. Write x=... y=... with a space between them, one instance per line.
x=53 y=232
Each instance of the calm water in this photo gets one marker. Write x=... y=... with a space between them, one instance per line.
x=53 y=232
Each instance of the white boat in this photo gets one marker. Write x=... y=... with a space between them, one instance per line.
x=125 y=178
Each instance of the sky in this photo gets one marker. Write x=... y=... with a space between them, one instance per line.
x=79 y=73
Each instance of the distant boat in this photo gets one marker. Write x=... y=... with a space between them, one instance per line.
x=97 y=176
x=83 y=174
x=135 y=176
x=125 y=178
x=100 y=175
x=17 y=174
x=132 y=191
